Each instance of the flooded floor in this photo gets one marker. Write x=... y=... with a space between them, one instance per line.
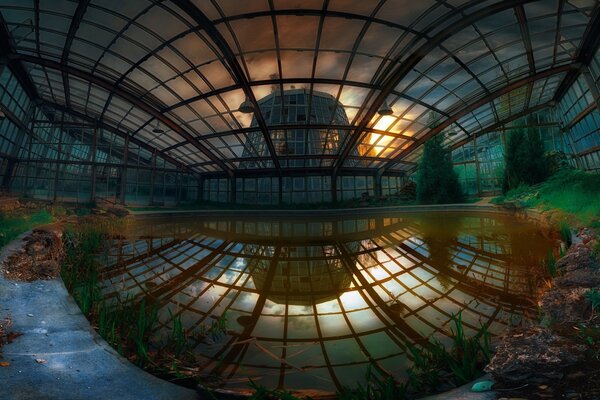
x=309 y=304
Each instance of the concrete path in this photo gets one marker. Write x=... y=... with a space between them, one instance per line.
x=78 y=363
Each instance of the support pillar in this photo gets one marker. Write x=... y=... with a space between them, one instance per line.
x=334 y=197
x=592 y=85
x=200 y=194
x=124 y=170
x=377 y=184
x=280 y=190
x=93 y=151
x=58 y=159
x=232 y=189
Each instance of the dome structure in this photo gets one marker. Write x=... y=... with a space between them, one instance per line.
x=302 y=147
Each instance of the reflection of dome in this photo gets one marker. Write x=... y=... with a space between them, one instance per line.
x=303 y=275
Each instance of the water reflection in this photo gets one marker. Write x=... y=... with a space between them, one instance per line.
x=310 y=303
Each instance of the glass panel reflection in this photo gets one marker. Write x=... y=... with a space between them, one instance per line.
x=310 y=303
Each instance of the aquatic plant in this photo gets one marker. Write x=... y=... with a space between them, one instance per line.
x=377 y=387
x=565 y=233
x=551 y=264
x=262 y=393
x=459 y=364
x=178 y=338
x=593 y=295
x=433 y=365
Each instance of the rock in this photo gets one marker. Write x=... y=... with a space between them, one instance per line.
x=562 y=305
x=9 y=204
x=119 y=211
x=581 y=277
x=533 y=355
x=578 y=256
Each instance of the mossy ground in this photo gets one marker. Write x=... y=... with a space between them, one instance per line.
x=575 y=193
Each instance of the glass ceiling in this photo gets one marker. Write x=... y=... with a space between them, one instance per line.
x=455 y=66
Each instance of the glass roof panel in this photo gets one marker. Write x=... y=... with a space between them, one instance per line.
x=156 y=57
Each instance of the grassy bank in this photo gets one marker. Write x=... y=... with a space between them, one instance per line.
x=12 y=226
x=574 y=192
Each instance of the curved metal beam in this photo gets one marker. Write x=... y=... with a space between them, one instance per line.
x=411 y=61
x=75 y=21
x=237 y=72
x=144 y=145
x=584 y=54
x=127 y=96
x=472 y=107
x=503 y=122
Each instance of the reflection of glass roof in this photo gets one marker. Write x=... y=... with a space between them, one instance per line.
x=315 y=312
x=469 y=63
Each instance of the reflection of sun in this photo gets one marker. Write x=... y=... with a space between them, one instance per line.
x=379 y=273
x=352 y=300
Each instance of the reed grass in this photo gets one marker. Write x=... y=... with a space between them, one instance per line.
x=433 y=365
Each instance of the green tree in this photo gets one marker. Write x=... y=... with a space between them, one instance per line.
x=524 y=159
x=437 y=182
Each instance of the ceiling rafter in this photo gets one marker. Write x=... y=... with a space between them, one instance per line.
x=526 y=37
x=237 y=72
x=125 y=95
x=396 y=76
x=473 y=106
x=64 y=59
x=584 y=54
x=118 y=132
x=503 y=122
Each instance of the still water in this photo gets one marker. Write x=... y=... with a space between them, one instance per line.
x=310 y=303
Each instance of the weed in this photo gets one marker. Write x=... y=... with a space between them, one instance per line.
x=262 y=393
x=463 y=362
x=565 y=233
x=178 y=339
x=377 y=387
x=551 y=264
x=593 y=295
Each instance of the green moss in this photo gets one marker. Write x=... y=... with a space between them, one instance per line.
x=12 y=226
x=575 y=192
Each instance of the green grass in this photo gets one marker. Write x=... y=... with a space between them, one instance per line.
x=12 y=226
x=575 y=192
x=566 y=234
x=551 y=264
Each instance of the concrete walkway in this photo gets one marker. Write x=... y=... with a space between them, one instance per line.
x=77 y=364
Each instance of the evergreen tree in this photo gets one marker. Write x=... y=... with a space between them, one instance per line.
x=437 y=182
x=524 y=159
x=538 y=165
